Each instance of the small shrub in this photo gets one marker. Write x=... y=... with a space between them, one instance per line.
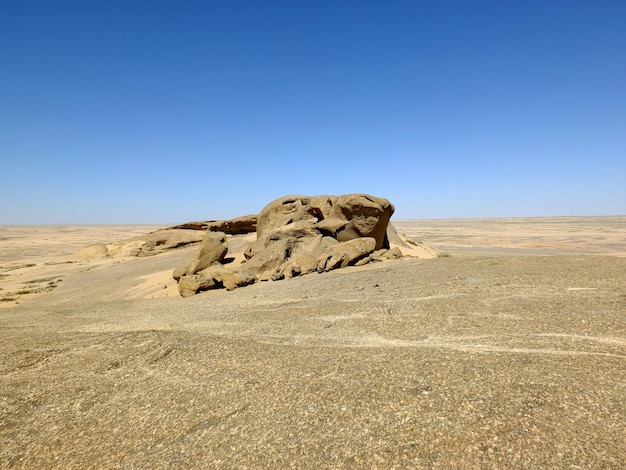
x=443 y=255
x=7 y=299
x=37 y=281
x=23 y=292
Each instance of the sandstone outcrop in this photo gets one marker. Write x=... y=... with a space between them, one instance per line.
x=145 y=245
x=236 y=226
x=295 y=235
x=165 y=240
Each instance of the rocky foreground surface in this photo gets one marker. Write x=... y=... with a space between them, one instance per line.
x=457 y=362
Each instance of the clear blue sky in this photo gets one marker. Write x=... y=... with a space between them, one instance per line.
x=170 y=111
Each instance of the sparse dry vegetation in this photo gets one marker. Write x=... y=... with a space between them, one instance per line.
x=15 y=267
x=40 y=281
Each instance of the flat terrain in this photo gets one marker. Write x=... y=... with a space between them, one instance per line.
x=528 y=235
x=502 y=355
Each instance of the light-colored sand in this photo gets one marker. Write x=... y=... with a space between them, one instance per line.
x=35 y=260
x=58 y=243
x=460 y=362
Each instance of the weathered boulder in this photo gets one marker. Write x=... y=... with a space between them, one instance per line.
x=193 y=283
x=221 y=276
x=213 y=249
x=215 y=276
x=346 y=253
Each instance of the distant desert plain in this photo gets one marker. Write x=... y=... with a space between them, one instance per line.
x=507 y=349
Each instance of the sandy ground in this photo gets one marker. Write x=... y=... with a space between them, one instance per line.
x=530 y=235
x=488 y=358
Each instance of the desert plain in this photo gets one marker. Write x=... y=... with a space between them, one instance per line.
x=506 y=351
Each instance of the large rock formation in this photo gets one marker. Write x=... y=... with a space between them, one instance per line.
x=297 y=235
